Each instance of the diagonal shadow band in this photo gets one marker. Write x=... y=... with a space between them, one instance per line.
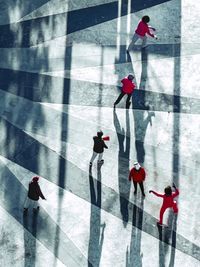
x=45 y=88
x=78 y=184
x=13 y=201
x=76 y=21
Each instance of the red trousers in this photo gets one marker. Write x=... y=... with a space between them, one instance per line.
x=163 y=209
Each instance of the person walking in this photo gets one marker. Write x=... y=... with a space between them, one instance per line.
x=127 y=89
x=137 y=175
x=143 y=29
x=168 y=200
x=34 y=193
x=98 y=148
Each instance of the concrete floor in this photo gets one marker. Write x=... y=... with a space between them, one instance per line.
x=60 y=71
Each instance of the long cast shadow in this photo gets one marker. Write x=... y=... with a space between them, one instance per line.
x=26 y=157
x=167 y=235
x=141 y=117
x=30 y=241
x=63 y=137
x=134 y=255
x=123 y=164
x=96 y=234
x=44 y=88
x=79 y=19
x=69 y=254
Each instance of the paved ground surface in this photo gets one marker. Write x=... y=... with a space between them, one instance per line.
x=60 y=71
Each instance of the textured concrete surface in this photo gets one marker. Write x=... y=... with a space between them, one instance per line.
x=60 y=71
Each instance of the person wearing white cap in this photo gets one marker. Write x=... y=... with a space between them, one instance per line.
x=137 y=175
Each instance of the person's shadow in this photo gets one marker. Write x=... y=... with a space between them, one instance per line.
x=123 y=164
x=167 y=235
x=133 y=254
x=96 y=234
x=30 y=240
x=141 y=111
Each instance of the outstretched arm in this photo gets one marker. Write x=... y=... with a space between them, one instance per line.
x=40 y=192
x=105 y=145
x=176 y=193
x=148 y=32
x=155 y=193
x=150 y=27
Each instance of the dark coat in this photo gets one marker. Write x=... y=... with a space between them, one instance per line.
x=99 y=145
x=34 y=191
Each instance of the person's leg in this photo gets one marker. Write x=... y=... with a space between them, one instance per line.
x=135 y=187
x=128 y=102
x=35 y=205
x=162 y=210
x=119 y=98
x=27 y=203
x=93 y=157
x=142 y=188
x=144 y=41
x=100 y=160
x=133 y=41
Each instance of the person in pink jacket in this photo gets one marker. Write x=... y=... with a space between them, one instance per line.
x=127 y=89
x=141 y=33
x=168 y=200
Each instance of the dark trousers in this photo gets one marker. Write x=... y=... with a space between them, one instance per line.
x=141 y=187
x=121 y=96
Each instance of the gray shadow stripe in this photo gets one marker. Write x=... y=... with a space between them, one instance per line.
x=78 y=184
x=45 y=88
x=75 y=20
x=48 y=232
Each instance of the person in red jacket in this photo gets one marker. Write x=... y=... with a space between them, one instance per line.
x=137 y=175
x=141 y=33
x=127 y=89
x=168 y=200
x=34 y=193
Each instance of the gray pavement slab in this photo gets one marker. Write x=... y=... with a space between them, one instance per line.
x=60 y=71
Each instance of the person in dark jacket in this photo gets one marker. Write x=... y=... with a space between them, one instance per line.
x=137 y=174
x=98 y=148
x=34 y=193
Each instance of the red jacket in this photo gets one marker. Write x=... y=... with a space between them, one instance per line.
x=137 y=176
x=168 y=201
x=142 y=29
x=128 y=86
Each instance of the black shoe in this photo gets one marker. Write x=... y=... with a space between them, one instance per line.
x=143 y=194
x=90 y=163
x=36 y=210
x=25 y=213
x=101 y=161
